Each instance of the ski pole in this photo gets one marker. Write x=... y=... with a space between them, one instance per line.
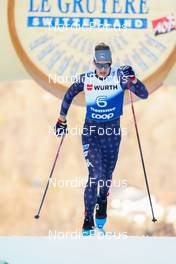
x=51 y=173
x=142 y=158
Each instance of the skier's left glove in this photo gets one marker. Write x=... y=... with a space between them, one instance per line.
x=128 y=72
x=61 y=128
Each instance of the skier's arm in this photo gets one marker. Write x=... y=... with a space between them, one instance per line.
x=74 y=89
x=61 y=125
x=129 y=81
x=138 y=88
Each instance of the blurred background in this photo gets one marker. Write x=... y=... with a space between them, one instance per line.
x=27 y=148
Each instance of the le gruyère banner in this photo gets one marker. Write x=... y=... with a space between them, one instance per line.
x=55 y=39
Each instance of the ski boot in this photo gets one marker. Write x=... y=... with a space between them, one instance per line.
x=101 y=212
x=88 y=226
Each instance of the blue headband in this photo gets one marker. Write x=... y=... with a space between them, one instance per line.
x=103 y=55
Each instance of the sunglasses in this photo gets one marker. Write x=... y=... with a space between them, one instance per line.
x=102 y=65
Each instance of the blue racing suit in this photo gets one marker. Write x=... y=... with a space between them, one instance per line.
x=101 y=135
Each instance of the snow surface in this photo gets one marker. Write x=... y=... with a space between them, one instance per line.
x=35 y=250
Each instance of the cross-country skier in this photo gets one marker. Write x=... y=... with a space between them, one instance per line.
x=104 y=90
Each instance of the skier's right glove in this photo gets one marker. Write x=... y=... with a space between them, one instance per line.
x=61 y=128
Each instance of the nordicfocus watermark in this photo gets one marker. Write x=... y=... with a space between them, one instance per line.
x=55 y=78
x=97 y=234
x=86 y=26
x=81 y=182
x=77 y=131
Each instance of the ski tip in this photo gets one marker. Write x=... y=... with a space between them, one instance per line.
x=36 y=216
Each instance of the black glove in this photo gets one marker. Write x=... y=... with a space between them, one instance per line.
x=128 y=72
x=61 y=128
